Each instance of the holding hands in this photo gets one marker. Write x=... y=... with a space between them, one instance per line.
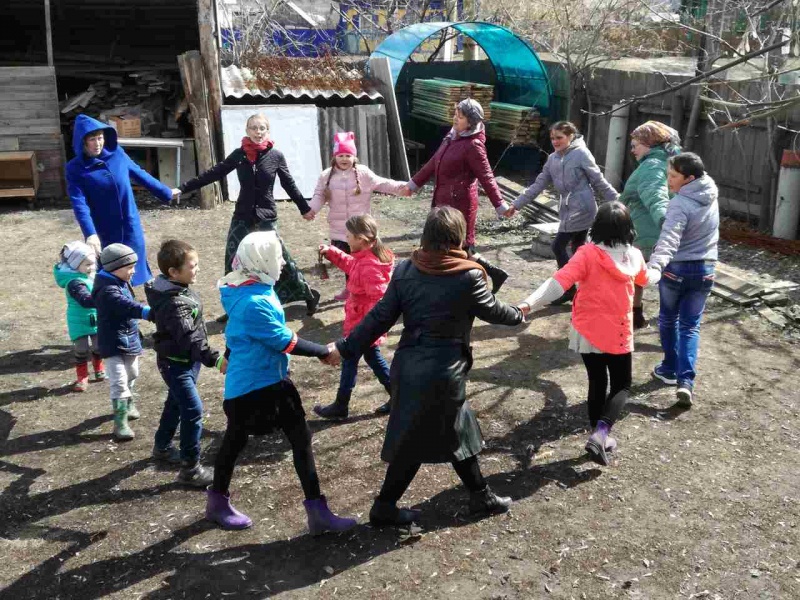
x=510 y=212
x=94 y=242
x=333 y=359
x=406 y=191
x=310 y=215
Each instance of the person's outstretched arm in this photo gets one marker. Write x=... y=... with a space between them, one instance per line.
x=215 y=173
x=378 y=321
x=158 y=189
x=290 y=187
x=487 y=307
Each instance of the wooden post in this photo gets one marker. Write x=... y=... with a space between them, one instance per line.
x=194 y=87
x=676 y=112
x=49 y=32
x=206 y=17
x=380 y=71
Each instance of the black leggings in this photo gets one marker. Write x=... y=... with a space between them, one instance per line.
x=566 y=238
x=236 y=439
x=400 y=474
x=601 y=368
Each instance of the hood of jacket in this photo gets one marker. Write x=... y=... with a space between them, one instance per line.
x=621 y=262
x=703 y=191
x=233 y=295
x=159 y=291
x=85 y=125
x=63 y=275
x=478 y=133
x=576 y=143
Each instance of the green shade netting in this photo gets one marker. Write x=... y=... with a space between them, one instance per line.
x=521 y=76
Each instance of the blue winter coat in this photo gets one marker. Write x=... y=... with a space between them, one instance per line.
x=257 y=337
x=117 y=316
x=102 y=197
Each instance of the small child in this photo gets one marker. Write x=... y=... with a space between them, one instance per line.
x=259 y=396
x=75 y=273
x=181 y=344
x=606 y=270
x=369 y=270
x=347 y=188
x=118 y=338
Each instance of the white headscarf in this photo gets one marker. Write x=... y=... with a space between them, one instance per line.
x=259 y=257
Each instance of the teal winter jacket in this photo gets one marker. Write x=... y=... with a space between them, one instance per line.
x=81 y=315
x=646 y=195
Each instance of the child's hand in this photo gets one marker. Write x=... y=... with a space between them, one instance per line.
x=310 y=215
x=525 y=308
x=334 y=358
x=406 y=191
x=653 y=276
x=323 y=249
x=223 y=366
x=510 y=212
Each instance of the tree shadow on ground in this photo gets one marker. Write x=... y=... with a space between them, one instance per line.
x=37 y=360
x=61 y=438
x=266 y=569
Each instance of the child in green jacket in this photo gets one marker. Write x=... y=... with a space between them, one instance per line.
x=75 y=274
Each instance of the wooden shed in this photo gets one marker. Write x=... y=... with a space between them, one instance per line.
x=29 y=121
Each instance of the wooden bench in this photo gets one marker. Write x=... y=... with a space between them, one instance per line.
x=19 y=175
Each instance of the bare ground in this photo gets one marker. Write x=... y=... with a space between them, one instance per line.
x=698 y=504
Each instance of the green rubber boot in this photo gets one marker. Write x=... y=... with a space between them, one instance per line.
x=133 y=412
x=122 y=432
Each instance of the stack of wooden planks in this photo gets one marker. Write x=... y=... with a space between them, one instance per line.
x=541 y=210
x=434 y=99
x=515 y=124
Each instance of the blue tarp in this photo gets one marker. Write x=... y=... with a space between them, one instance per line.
x=521 y=76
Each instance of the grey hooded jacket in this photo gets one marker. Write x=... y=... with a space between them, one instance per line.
x=573 y=174
x=691 y=225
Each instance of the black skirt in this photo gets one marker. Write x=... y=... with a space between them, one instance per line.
x=262 y=411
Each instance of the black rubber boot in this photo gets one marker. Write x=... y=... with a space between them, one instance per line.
x=486 y=501
x=383 y=514
x=312 y=301
x=386 y=407
x=337 y=410
x=496 y=274
x=639 y=320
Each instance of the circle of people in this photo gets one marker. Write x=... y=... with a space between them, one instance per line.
x=662 y=228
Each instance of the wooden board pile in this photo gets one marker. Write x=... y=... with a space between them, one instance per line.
x=143 y=94
x=433 y=99
x=515 y=124
x=541 y=210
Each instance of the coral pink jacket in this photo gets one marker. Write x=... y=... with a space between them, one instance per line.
x=602 y=309
x=344 y=202
x=367 y=281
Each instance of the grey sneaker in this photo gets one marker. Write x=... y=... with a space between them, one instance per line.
x=169 y=455
x=195 y=475
x=684 y=396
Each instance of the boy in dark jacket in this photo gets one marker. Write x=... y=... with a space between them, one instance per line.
x=181 y=343
x=118 y=338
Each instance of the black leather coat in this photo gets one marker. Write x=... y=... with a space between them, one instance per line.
x=431 y=420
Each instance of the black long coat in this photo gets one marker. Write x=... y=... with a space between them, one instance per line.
x=431 y=420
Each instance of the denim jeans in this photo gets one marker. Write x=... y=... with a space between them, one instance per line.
x=575 y=239
x=374 y=358
x=683 y=290
x=184 y=406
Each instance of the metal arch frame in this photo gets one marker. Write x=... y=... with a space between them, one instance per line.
x=413 y=36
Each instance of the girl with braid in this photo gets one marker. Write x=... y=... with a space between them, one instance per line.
x=347 y=189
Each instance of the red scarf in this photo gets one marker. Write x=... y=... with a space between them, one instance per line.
x=251 y=149
x=444 y=263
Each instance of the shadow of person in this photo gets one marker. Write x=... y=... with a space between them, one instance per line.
x=35 y=360
x=273 y=567
x=34 y=393
x=57 y=438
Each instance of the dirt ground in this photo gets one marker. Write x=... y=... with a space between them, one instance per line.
x=698 y=504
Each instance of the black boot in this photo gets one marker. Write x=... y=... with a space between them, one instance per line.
x=312 y=301
x=386 y=407
x=385 y=513
x=338 y=410
x=486 y=501
x=639 y=321
x=496 y=274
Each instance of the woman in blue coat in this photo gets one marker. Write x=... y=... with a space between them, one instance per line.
x=99 y=187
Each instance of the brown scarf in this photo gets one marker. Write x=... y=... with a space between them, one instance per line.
x=251 y=149
x=444 y=263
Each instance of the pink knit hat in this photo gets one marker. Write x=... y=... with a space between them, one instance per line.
x=344 y=143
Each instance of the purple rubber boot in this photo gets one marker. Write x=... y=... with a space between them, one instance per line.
x=321 y=519
x=596 y=446
x=220 y=511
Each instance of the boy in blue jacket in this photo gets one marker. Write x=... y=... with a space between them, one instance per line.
x=181 y=343
x=118 y=338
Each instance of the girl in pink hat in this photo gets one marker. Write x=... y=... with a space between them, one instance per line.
x=347 y=189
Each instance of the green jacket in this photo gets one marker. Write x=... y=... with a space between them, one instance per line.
x=81 y=315
x=646 y=195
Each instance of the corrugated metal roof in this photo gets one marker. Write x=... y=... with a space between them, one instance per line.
x=238 y=82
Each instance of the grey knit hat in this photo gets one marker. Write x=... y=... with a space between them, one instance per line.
x=75 y=253
x=472 y=110
x=116 y=256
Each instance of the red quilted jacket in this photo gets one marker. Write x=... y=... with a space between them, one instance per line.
x=458 y=165
x=367 y=281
